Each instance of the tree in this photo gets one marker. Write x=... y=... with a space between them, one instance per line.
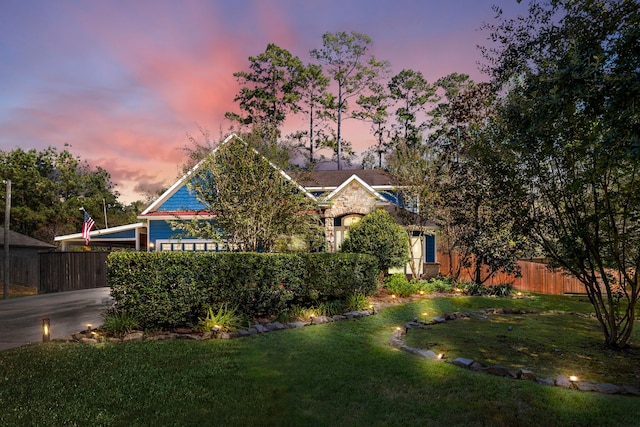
x=270 y=91
x=378 y=234
x=314 y=102
x=570 y=130
x=373 y=109
x=450 y=179
x=252 y=203
x=412 y=92
x=48 y=189
x=352 y=69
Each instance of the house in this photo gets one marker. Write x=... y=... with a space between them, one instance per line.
x=343 y=197
x=24 y=266
x=129 y=236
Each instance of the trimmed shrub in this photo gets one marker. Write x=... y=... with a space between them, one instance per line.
x=380 y=235
x=399 y=285
x=169 y=289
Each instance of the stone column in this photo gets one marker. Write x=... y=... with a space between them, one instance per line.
x=329 y=231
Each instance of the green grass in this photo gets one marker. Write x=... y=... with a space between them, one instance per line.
x=338 y=374
x=548 y=343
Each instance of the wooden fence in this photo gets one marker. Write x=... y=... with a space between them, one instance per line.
x=70 y=271
x=536 y=277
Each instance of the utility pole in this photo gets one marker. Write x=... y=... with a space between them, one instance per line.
x=7 y=212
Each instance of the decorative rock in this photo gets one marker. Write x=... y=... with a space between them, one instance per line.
x=252 y=331
x=449 y=316
x=339 y=317
x=489 y=310
x=275 y=326
x=261 y=329
x=462 y=362
x=562 y=381
x=527 y=375
x=627 y=389
x=498 y=311
x=607 y=388
x=207 y=335
x=498 y=370
x=133 y=336
x=515 y=373
x=395 y=342
x=477 y=366
x=297 y=324
x=243 y=332
x=184 y=330
x=439 y=320
x=85 y=340
x=418 y=352
x=225 y=335
x=585 y=386
x=545 y=381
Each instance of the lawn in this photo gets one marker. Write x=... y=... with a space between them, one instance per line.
x=338 y=374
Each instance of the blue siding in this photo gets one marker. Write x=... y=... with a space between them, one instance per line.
x=181 y=200
x=161 y=229
x=430 y=248
x=127 y=234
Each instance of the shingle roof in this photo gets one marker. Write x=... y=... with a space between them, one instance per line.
x=333 y=178
x=17 y=239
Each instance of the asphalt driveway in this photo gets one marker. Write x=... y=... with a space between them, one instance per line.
x=69 y=312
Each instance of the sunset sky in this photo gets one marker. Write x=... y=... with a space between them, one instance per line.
x=124 y=82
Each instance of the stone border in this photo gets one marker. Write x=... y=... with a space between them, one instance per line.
x=396 y=341
x=93 y=336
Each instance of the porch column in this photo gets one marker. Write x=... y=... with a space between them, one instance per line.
x=329 y=232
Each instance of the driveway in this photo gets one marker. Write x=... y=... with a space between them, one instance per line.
x=69 y=312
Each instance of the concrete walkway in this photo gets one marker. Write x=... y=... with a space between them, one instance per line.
x=69 y=312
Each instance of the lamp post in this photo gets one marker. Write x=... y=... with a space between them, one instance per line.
x=46 y=329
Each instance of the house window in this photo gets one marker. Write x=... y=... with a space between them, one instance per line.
x=341 y=228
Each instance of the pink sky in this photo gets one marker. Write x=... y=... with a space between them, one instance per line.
x=124 y=82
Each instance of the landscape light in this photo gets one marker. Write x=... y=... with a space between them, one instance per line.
x=440 y=356
x=573 y=378
x=46 y=329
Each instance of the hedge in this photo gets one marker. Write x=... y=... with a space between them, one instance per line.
x=170 y=289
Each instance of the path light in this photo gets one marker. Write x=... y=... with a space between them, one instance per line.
x=393 y=296
x=311 y=323
x=89 y=327
x=425 y=317
x=573 y=378
x=398 y=332
x=46 y=329
x=440 y=356
x=373 y=309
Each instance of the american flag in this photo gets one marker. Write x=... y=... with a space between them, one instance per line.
x=86 y=227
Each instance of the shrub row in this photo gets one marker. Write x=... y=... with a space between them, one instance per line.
x=169 y=289
x=399 y=285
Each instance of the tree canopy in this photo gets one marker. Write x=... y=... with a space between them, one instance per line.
x=252 y=203
x=48 y=189
x=568 y=126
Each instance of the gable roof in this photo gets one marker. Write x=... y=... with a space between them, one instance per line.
x=19 y=239
x=328 y=179
x=190 y=205
x=356 y=178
